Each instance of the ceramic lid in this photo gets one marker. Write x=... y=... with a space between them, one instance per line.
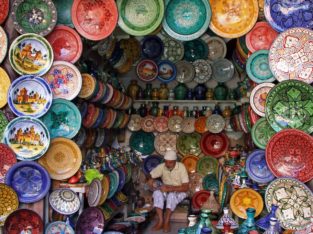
x=195 y=49
x=64 y=201
x=5 y=83
x=9 y=202
x=3 y=43
x=173 y=49
x=217 y=47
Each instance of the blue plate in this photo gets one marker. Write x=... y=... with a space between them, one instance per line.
x=122 y=179
x=257 y=168
x=29 y=96
x=152 y=47
x=167 y=71
x=150 y=163
x=63 y=119
x=30 y=181
x=196 y=49
x=114 y=183
x=282 y=15
x=222 y=70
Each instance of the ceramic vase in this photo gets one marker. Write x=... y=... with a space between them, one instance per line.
x=189 y=94
x=192 y=220
x=154 y=109
x=206 y=230
x=226 y=218
x=220 y=92
x=209 y=95
x=226 y=112
x=272 y=228
x=148 y=91
x=180 y=91
x=171 y=95
x=249 y=223
x=217 y=110
x=200 y=91
x=163 y=92
x=264 y=223
x=212 y=204
x=143 y=110
x=133 y=89
x=155 y=94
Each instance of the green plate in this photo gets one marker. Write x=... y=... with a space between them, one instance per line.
x=196 y=49
x=210 y=183
x=142 y=142
x=207 y=165
x=186 y=20
x=114 y=178
x=189 y=143
x=140 y=17
x=3 y=123
x=289 y=104
x=64 y=12
x=261 y=133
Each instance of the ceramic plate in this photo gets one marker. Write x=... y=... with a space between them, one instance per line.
x=188 y=143
x=59 y=227
x=195 y=49
x=200 y=124
x=160 y=123
x=207 y=165
x=139 y=18
x=186 y=20
x=175 y=123
x=199 y=198
x=64 y=12
x=3 y=43
x=22 y=177
x=167 y=71
x=173 y=50
x=258 y=97
x=222 y=70
x=190 y=162
x=290 y=153
x=152 y=47
x=261 y=133
x=290 y=55
x=147 y=123
x=9 y=202
x=134 y=123
x=246 y=198
x=89 y=84
x=63 y=159
x=185 y=71
x=203 y=71
x=294 y=201
x=8 y=159
x=64 y=201
x=114 y=182
x=5 y=83
x=164 y=142
x=290 y=105
x=233 y=18
x=195 y=184
x=66 y=43
x=3 y=123
x=31 y=54
x=91 y=220
x=94 y=20
x=217 y=47
x=94 y=193
x=214 y=144
x=142 y=142
x=215 y=123
x=150 y=163
x=27 y=137
x=121 y=178
x=105 y=182
x=4 y=9
x=188 y=125
x=210 y=183
x=38 y=17
x=147 y=70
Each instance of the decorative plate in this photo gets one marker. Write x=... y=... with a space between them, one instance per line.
x=164 y=142
x=147 y=70
x=188 y=143
x=214 y=144
x=105 y=182
x=210 y=183
x=289 y=104
x=233 y=18
x=114 y=182
x=257 y=67
x=134 y=123
x=94 y=20
x=122 y=178
x=94 y=193
x=283 y=15
x=290 y=153
x=215 y=123
x=9 y=202
x=195 y=49
x=195 y=183
x=152 y=47
x=246 y=198
x=190 y=162
x=63 y=159
x=185 y=71
x=91 y=220
x=64 y=12
x=160 y=123
x=294 y=200
x=23 y=221
x=59 y=227
x=31 y=54
x=188 y=125
x=27 y=137
x=30 y=181
x=222 y=70
x=217 y=47
x=5 y=83
x=64 y=201
x=3 y=43
x=199 y=198
x=7 y=160
x=89 y=84
x=175 y=123
x=142 y=142
x=38 y=17
x=261 y=133
x=4 y=10
x=207 y=165
x=66 y=43
x=173 y=50
x=258 y=97
x=186 y=20
x=167 y=71
x=290 y=55
x=203 y=71
x=150 y=163
x=260 y=37
x=257 y=168
x=200 y=124
x=139 y=18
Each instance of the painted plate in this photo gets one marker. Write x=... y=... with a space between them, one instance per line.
x=195 y=49
x=160 y=123
x=114 y=182
x=142 y=142
x=147 y=123
x=188 y=143
x=64 y=201
x=190 y=162
x=215 y=123
x=289 y=153
x=188 y=125
x=210 y=183
x=223 y=70
x=3 y=123
x=3 y=44
x=105 y=182
x=38 y=17
x=257 y=168
x=59 y=227
x=150 y=163
x=186 y=20
x=5 y=83
x=185 y=71
x=147 y=70
x=30 y=181
x=164 y=142
x=214 y=144
x=233 y=18
x=63 y=159
x=139 y=18
x=199 y=198
x=290 y=56
x=217 y=47
x=203 y=71
x=66 y=43
x=167 y=71
x=257 y=67
x=122 y=178
x=8 y=159
x=90 y=221
x=9 y=202
x=294 y=200
x=200 y=124
x=289 y=104
x=28 y=137
x=134 y=123
x=64 y=12
x=207 y=165
x=258 y=97
x=29 y=96
x=31 y=54
x=94 y=20
x=89 y=84
x=152 y=47
x=246 y=198
x=195 y=183
x=94 y=193
x=63 y=119
x=4 y=10
x=283 y=15
x=175 y=123
x=173 y=50
x=261 y=133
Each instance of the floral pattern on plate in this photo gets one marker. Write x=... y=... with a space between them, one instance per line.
x=164 y=142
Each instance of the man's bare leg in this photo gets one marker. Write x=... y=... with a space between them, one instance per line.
x=167 y=226
x=159 y=223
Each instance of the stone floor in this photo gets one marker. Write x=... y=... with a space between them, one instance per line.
x=174 y=228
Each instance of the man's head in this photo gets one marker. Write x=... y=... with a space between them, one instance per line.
x=170 y=158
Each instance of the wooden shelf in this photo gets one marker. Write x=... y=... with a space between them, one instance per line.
x=237 y=102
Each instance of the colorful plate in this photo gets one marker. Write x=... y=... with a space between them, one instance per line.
x=185 y=71
x=195 y=184
x=188 y=143
x=147 y=70
x=160 y=123
x=200 y=124
x=258 y=97
x=64 y=12
x=223 y=70
x=152 y=47
x=175 y=123
x=199 y=198
x=142 y=142
x=105 y=182
x=121 y=178
x=38 y=17
x=215 y=123
x=58 y=227
x=190 y=162
x=139 y=18
x=167 y=71
x=3 y=43
x=30 y=181
x=134 y=123
x=63 y=159
x=203 y=71
x=233 y=18
x=9 y=202
x=261 y=133
x=188 y=125
x=5 y=83
x=290 y=55
x=217 y=47
x=195 y=49
x=114 y=182
x=4 y=9
x=147 y=123
x=91 y=220
x=289 y=104
x=89 y=84
x=66 y=43
x=64 y=201
x=214 y=144
x=94 y=20
x=186 y=20
x=150 y=163
x=3 y=123
x=28 y=137
x=173 y=50
x=94 y=193
x=164 y=142
x=8 y=159
x=207 y=165
x=289 y=153
x=210 y=183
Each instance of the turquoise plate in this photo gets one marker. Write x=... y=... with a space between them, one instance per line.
x=186 y=20
x=142 y=142
x=196 y=49
x=64 y=12
x=114 y=182
x=63 y=119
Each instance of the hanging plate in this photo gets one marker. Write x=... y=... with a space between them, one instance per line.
x=215 y=123
x=190 y=162
x=9 y=201
x=150 y=163
x=173 y=50
x=5 y=83
x=4 y=10
x=105 y=182
x=64 y=12
x=199 y=198
x=142 y=142
x=185 y=71
x=188 y=143
x=217 y=47
x=214 y=144
x=167 y=71
x=188 y=125
x=152 y=47
x=134 y=123
x=261 y=133
x=114 y=182
x=175 y=123
x=91 y=220
x=160 y=123
x=8 y=159
x=147 y=123
x=195 y=49
x=203 y=71
x=59 y=227
x=200 y=124
x=164 y=142
x=258 y=97
x=207 y=165
x=3 y=43
x=223 y=70
x=147 y=70
x=94 y=193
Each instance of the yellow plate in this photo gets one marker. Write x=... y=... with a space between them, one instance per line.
x=246 y=198
x=105 y=189
x=88 y=86
x=233 y=18
x=9 y=202
x=63 y=158
x=5 y=83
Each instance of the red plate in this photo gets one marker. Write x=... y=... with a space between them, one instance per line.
x=289 y=153
x=7 y=159
x=214 y=144
x=94 y=20
x=4 y=10
x=199 y=198
x=147 y=70
x=160 y=123
x=66 y=43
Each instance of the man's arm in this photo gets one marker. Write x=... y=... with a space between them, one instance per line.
x=169 y=188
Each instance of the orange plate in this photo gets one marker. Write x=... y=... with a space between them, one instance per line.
x=190 y=162
x=200 y=124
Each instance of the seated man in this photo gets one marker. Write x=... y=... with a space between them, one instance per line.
x=175 y=185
